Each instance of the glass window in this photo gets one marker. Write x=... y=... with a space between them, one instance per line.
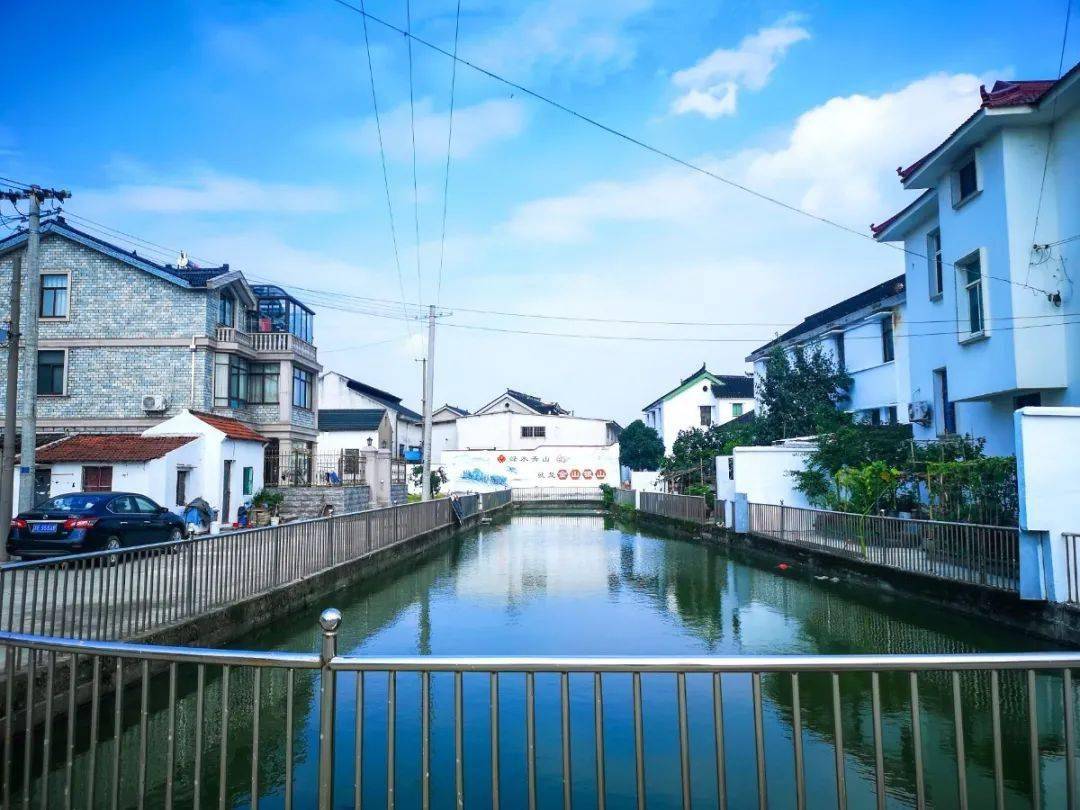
x=736 y=409
x=54 y=295
x=967 y=180
x=50 y=378
x=72 y=503
x=230 y=381
x=145 y=505
x=945 y=411
x=933 y=254
x=227 y=310
x=249 y=480
x=533 y=431
x=971 y=276
x=706 y=414
x=263 y=383
x=888 y=351
x=181 y=487
x=841 y=359
x=302 y=384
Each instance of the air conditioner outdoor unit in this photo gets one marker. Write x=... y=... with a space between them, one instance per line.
x=154 y=403
x=919 y=412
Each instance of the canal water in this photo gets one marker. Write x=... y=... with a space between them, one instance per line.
x=548 y=584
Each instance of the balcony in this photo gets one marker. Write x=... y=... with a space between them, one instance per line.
x=229 y=337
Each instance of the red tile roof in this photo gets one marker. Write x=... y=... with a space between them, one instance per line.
x=878 y=228
x=233 y=428
x=111 y=447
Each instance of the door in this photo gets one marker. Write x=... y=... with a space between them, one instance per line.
x=226 y=493
x=155 y=529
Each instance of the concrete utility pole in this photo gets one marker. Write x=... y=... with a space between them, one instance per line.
x=11 y=402
x=36 y=195
x=429 y=388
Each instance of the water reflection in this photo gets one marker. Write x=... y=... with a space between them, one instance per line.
x=546 y=584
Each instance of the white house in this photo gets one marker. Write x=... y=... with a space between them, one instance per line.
x=338 y=392
x=864 y=335
x=991 y=250
x=444 y=434
x=700 y=400
x=517 y=421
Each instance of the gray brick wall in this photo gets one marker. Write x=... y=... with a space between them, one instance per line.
x=304 y=502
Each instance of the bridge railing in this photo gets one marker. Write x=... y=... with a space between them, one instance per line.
x=962 y=552
x=542 y=494
x=323 y=730
x=135 y=591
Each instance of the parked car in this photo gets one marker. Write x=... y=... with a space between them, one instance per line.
x=78 y=522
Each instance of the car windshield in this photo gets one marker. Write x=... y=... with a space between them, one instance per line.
x=73 y=503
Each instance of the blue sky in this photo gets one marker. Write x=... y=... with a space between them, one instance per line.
x=242 y=132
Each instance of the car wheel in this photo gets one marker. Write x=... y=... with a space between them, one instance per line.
x=113 y=544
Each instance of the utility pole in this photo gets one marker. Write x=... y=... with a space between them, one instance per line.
x=11 y=401
x=36 y=195
x=429 y=388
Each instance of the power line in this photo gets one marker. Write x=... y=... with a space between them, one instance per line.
x=449 y=141
x=649 y=147
x=382 y=158
x=412 y=129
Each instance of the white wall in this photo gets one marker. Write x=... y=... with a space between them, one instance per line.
x=683 y=411
x=725 y=481
x=332 y=442
x=761 y=473
x=646 y=481
x=444 y=436
x=503 y=431
x=552 y=467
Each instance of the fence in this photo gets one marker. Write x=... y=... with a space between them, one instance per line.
x=1072 y=565
x=345 y=468
x=465 y=506
x=494 y=500
x=626 y=497
x=128 y=593
x=324 y=730
x=964 y=552
x=534 y=494
x=688 y=508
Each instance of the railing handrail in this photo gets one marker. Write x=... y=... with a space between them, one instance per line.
x=905 y=521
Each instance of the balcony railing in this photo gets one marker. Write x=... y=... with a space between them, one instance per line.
x=266 y=341
x=229 y=334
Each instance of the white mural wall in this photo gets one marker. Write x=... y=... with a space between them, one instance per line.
x=547 y=466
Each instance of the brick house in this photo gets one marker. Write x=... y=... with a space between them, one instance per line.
x=126 y=343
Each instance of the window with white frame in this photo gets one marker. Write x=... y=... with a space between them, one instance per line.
x=936 y=265
x=965 y=180
x=706 y=415
x=971 y=300
x=533 y=432
x=54 y=295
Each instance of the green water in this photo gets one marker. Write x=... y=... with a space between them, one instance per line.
x=582 y=585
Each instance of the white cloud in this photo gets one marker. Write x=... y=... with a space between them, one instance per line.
x=711 y=87
x=590 y=37
x=210 y=192
x=475 y=127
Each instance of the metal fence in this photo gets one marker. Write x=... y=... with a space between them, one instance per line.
x=325 y=730
x=626 y=497
x=465 y=506
x=345 y=468
x=494 y=500
x=688 y=508
x=535 y=494
x=963 y=552
x=135 y=591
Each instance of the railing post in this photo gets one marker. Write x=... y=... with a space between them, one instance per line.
x=191 y=579
x=329 y=542
x=329 y=621
x=781 y=520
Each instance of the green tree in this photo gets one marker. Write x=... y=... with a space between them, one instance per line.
x=640 y=447
x=693 y=455
x=800 y=394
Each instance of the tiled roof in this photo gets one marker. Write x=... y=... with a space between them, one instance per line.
x=340 y=419
x=537 y=404
x=384 y=397
x=233 y=428
x=113 y=447
x=867 y=298
x=733 y=386
x=880 y=228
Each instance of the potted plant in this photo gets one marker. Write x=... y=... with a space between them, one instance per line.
x=269 y=501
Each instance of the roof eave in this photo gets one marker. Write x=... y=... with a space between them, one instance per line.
x=910 y=217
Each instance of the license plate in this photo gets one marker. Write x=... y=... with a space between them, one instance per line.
x=43 y=528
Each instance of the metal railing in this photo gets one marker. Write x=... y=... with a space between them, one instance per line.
x=960 y=552
x=494 y=500
x=327 y=730
x=687 y=508
x=535 y=494
x=344 y=468
x=135 y=591
x=465 y=506
x=626 y=497
x=1072 y=565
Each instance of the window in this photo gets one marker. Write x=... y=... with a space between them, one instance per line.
x=97 y=479
x=50 y=375
x=230 y=381
x=1033 y=400
x=888 y=351
x=893 y=417
x=181 y=487
x=933 y=255
x=841 y=360
x=263 y=383
x=875 y=417
x=144 y=505
x=736 y=410
x=54 y=295
x=706 y=415
x=971 y=277
x=965 y=181
x=227 y=310
x=302 y=383
x=249 y=480
x=533 y=432
x=944 y=410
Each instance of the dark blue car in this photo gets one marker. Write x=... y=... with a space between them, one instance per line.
x=79 y=522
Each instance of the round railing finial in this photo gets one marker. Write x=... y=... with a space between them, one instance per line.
x=330 y=620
